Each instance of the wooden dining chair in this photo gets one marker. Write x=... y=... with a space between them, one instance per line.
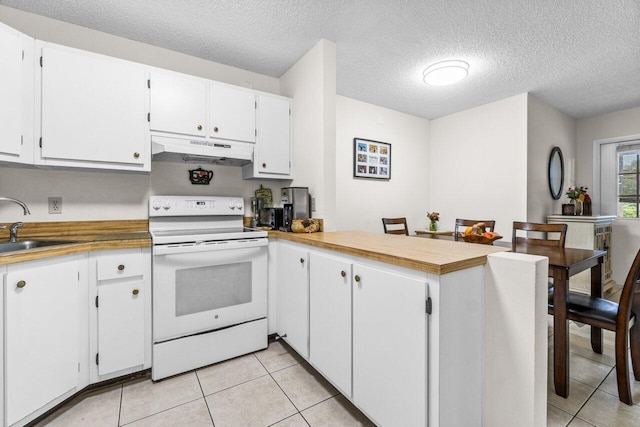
x=398 y=226
x=489 y=223
x=601 y=313
x=541 y=232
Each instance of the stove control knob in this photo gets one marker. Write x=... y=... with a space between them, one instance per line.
x=166 y=206
x=239 y=204
x=157 y=205
x=232 y=205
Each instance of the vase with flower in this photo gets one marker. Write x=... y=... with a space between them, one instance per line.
x=577 y=196
x=434 y=217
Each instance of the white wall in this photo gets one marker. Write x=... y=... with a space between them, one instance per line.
x=363 y=202
x=311 y=82
x=98 y=195
x=547 y=128
x=611 y=125
x=626 y=232
x=478 y=163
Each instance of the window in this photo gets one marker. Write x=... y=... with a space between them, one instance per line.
x=628 y=181
x=616 y=185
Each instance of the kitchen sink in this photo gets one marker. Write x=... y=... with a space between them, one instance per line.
x=31 y=244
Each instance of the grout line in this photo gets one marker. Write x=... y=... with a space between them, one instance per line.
x=120 y=405
x=590 y=396
x=204 y=397
x=290 y=416
x=164 y=410
x=274 y=380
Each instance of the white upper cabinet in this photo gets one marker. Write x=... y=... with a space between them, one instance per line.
x=16 y=96
x=178 y=103
x=187 y=105
x=273 y=152
x=93 y=111
x=233 y=113
x=67 y=107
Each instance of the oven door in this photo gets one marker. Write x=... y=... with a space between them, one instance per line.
x=199 y=287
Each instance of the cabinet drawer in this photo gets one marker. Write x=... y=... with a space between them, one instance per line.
x=125 y=263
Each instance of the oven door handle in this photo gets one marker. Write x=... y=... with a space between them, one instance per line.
x=183 y=248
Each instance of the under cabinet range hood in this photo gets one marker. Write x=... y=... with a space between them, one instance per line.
x=203 y=151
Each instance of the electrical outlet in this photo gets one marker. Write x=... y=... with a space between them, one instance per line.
x=313 y=204
x=55 y=205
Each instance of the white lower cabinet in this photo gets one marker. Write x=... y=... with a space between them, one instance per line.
x=122 y=343
x=367 y=329
x=292 y=309
x=43 y=324
x=389 y=346
x=330 y=319
x=52 y=338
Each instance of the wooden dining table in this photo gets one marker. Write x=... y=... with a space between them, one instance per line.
x=564 y=263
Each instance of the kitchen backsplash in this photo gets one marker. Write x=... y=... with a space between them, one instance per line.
x=100 y=195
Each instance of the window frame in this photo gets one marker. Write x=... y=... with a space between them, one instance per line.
x=620 y=150
x=597 y=167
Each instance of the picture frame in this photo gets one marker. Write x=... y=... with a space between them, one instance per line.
x=371 y=159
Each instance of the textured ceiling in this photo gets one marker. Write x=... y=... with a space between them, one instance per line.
x=581 y=56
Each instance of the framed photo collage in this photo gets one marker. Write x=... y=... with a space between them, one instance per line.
x=371 y=159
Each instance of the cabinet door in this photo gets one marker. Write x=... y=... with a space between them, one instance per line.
x=273 y=145
x=16 y=96
x=11 y=84
x=389 y=346
x=94 y=109
x=293 y=297
x=330 y=318
x=178 y=103
x=120 y=325
x=41 y=334
x=233 y=114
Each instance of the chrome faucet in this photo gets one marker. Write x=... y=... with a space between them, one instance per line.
x=13 y=228
x=17 y=202
x=13 y=231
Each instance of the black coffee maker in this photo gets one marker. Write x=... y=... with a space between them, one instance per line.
x=287 y=217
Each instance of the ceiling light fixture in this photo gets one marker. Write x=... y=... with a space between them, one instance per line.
x=445 y=72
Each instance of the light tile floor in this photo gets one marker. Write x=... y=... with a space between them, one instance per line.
x=272 y=387
x=275 y=387
x=593 y=393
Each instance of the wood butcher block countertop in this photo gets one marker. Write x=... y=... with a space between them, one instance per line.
x=430 y=255
x=83 y=235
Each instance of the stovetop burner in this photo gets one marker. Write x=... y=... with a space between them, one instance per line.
x=180 y=219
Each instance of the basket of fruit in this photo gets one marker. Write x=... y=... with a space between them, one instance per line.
x=478 y=234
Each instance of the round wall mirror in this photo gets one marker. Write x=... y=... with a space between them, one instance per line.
x=556 y=173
